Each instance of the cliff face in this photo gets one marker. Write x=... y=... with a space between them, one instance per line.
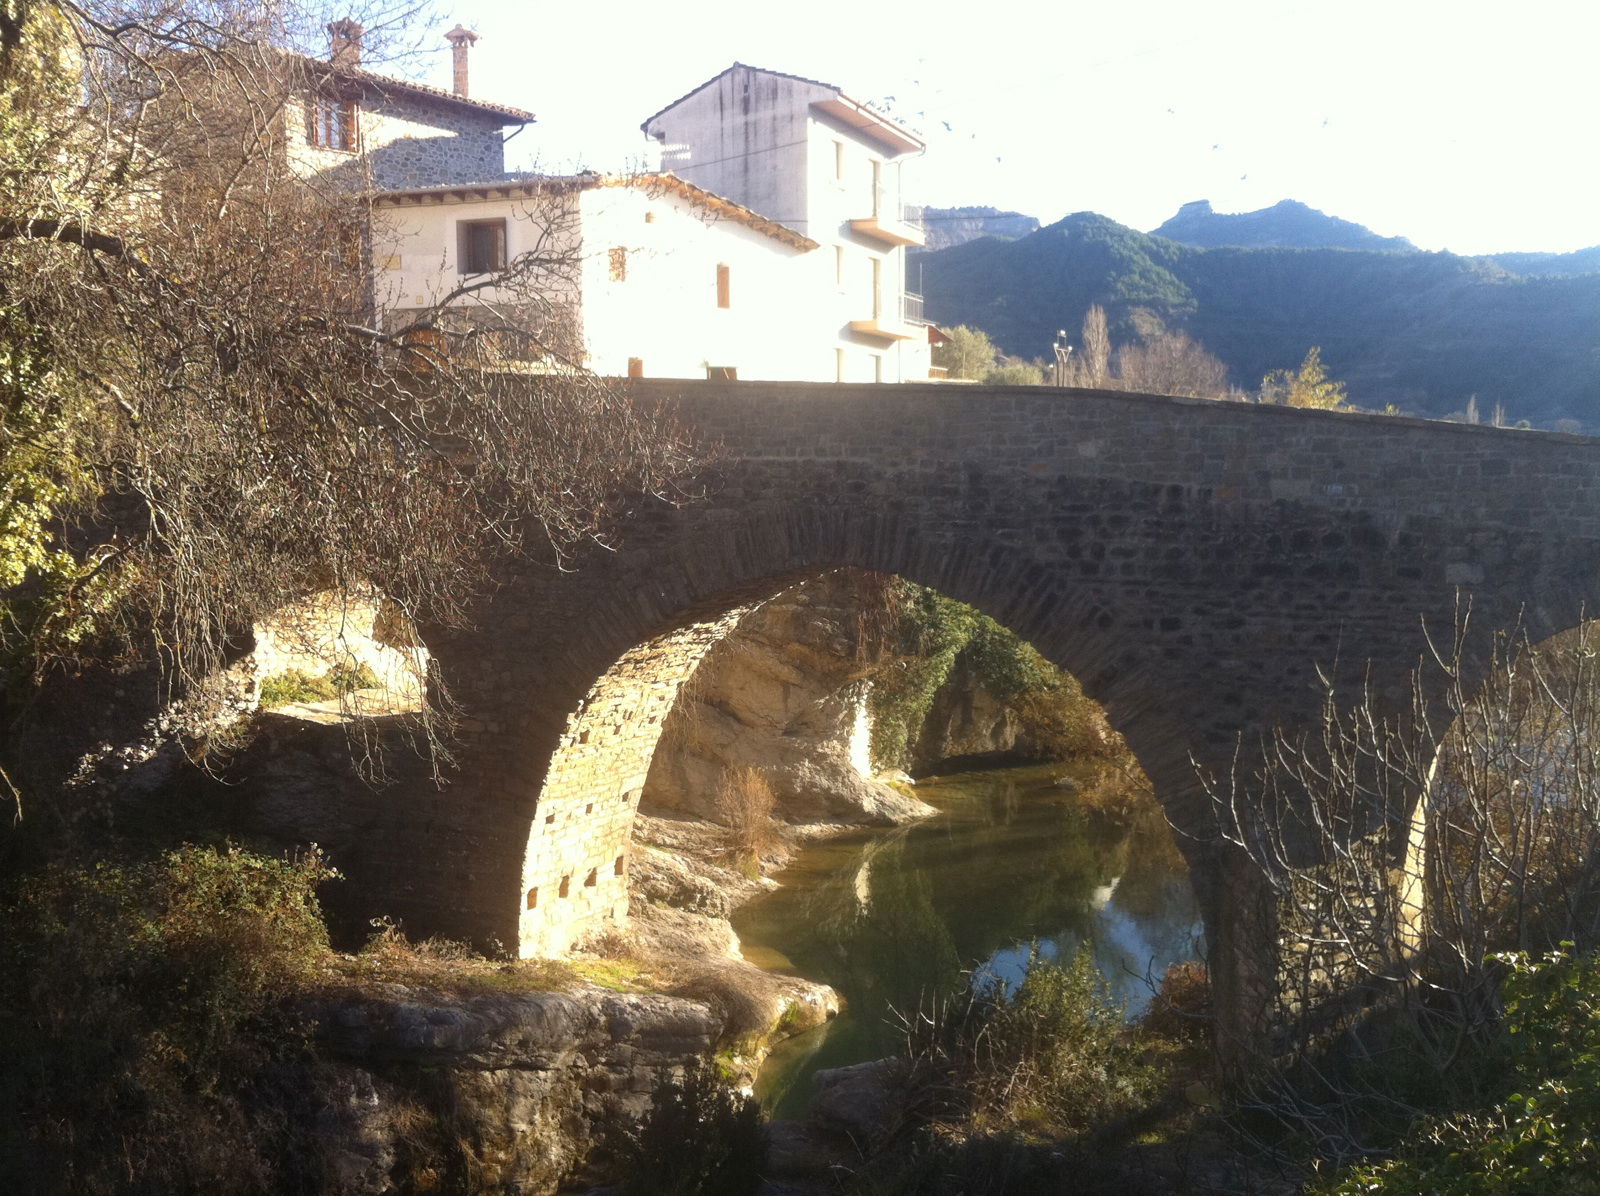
x=783 y=693
x=506 y=1093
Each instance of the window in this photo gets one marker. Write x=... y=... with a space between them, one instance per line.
x=724 y=293
x=533 y=897
x=592 y=879
x=838 y=365
x=636 y=367
x=331 y=123
x=838 y=266
x=566 y=886
x=619 y=868
x=722 y=373
x=877 y=367
x=619 y=264
x=480 y=246
x=838 y=161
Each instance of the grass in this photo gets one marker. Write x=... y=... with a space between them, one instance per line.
x=454 y=968
x=296 y=685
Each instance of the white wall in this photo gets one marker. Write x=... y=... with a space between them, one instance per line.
x=753 y=136
x=744 y=136
x=663 y=312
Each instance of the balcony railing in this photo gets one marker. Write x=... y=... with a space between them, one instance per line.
x=911 y=308
x=891 y=221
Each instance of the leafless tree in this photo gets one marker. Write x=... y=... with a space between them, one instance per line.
x=1402 y=849
x=1172 y=364
x=186 y=326
x=1096 y=360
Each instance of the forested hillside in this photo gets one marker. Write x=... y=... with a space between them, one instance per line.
x=1422 y=331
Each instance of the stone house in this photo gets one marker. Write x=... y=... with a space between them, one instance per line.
x=773 y=246
x=370 y=132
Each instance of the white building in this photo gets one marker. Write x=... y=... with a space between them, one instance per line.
x=655 y=276
x=808 y=156
x=773 y=249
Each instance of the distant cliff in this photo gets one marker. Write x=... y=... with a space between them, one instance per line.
x=957 y=226
x=1286 y=224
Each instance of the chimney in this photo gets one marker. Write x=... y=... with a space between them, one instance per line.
x=460 y=40
x=344 y=39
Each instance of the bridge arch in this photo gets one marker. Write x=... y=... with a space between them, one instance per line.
x=578 y=825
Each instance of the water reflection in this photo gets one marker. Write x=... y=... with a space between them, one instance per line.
x=887 y=917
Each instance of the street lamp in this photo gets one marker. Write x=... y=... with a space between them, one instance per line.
x=1063 y=352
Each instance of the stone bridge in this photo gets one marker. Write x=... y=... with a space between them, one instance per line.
x=1194 y=564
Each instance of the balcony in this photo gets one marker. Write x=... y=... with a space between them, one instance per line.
x=891 y=223
x=884 y=327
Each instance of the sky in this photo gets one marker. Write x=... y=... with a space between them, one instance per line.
x=1462 y=125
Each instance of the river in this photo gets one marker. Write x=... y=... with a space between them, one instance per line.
x=1013 y=858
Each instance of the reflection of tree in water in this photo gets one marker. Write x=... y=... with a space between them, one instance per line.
x=1155 y=877
x=1013 y=859
x=901 y=948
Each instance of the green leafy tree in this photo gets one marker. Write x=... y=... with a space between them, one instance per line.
x=1015 y=373
x=1309 y=386
x=968 y=354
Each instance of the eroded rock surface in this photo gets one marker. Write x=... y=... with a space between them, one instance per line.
x=783 y=693
x=490 y=1093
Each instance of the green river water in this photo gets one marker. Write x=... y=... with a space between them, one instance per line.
x=888 y=917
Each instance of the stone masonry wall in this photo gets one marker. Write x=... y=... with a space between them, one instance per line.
x=405 y=141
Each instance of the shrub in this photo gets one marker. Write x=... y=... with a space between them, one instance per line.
x=700 y=1138
x=351 y=675
x=1056 y=1051
x=293 y=685
x=1541 y=1139
x=1052 y=1055
x=745 y=803
x=1181 y=1009
x=139 y=1004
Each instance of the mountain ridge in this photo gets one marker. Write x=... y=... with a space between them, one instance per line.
x=1287 y=224
x=1421 y=330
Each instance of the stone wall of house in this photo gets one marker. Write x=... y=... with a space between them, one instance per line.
x=404 y=141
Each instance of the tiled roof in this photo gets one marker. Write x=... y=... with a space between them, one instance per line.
x=382 y=83
x=527 y=187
